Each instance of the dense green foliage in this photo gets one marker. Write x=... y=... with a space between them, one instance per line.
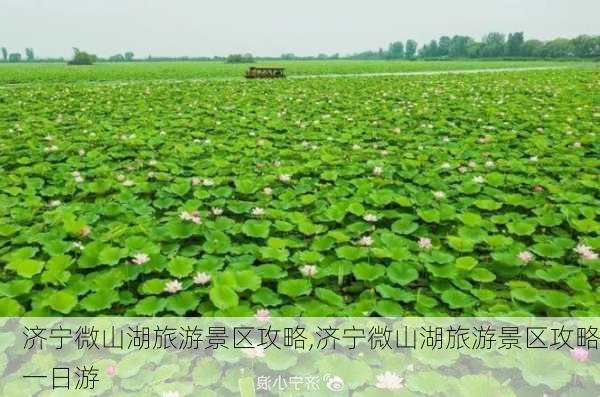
x=82 y=58
x=492 y=45
x=240 y=58
x=409 y=196
x=45 y=73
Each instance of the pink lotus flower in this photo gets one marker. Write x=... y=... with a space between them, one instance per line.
x=308 y=270
x=439 y=195
x=586 y=252
x=111 y=370
x=365 y=241
x=389 y=381
x=526 y=256
x=582 y=248
x=262 y=315
x=580 y=354
x=202 y=278
x=370 y=217
x=193 y=216
x=425 y=243
x=140 y=259
x=173 y=286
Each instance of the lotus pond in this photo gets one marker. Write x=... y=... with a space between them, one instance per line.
x=59 y=72
x=448 y=195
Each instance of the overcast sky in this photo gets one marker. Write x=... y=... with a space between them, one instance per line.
x=271 y=27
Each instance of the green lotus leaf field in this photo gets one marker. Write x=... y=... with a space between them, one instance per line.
x=428 y=195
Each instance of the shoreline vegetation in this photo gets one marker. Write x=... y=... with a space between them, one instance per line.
x=494 y=45
x=169 y=71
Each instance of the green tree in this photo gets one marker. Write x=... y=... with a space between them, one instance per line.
x=532 y=48
x=14 y=57
x=82 y=58
x=558 y=48
x=4 y=54
x=129 y=56
x=430 y=50
x=493 y=45
x=411 y=49
x=29 y=54
x=396 y=50
x=474 y=49
x=117 y=58
x=459 y=46
x=444 y=46
x=239 y=58
x=514 y=44
x=585 y=46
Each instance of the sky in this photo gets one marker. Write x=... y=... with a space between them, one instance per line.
x=271 y=27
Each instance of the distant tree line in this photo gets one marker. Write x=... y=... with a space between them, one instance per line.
x=126 y=57
x=240 y=58
x=79 y=57
x=492 y=45
x=16 y=56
